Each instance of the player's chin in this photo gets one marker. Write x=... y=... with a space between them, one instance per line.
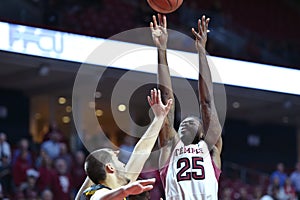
x=187 y=139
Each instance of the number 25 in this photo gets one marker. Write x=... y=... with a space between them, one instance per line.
x=186 y=166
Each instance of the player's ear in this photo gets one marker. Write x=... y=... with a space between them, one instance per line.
x=109 y=168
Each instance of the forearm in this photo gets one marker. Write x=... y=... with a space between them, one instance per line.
x=165 y=85
x=148 y=140
x=162 y=56
x=211 y=124
x=205 y=79
x=164 y=78
x=143 y=149
x=205 y=87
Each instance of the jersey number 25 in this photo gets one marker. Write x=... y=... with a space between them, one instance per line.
x=186 y=166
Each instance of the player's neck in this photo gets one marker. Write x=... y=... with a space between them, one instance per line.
x=111 y=181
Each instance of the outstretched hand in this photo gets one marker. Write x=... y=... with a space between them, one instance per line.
x=139 y=187
x=159 y=31
x=159 y=109
x=201 y=35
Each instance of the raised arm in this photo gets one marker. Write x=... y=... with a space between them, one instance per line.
x=211 y=125
x=144 y=146
x=168 y=135
x=160 y=39
x=120 y=193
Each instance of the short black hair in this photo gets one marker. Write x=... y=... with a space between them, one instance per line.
x=95 y=165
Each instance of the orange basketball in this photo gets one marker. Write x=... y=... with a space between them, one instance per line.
x=164 y=6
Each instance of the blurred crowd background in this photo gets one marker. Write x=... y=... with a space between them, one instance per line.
x=261 y=31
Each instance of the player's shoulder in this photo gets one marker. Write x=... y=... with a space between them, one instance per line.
x=203 y=143
x=100 y=192
x=95 y=189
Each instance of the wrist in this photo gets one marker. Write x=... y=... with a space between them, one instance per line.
x=200 y=48
x=162 y=49
x=159 y=117
x=201 y=51
x=162 y=52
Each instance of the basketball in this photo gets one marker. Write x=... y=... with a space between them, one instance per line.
x=164 y=6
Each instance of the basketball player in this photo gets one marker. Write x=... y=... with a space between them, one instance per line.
x=190 y=158
x=110 y=175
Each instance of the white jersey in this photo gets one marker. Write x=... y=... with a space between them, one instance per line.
x=190 y=174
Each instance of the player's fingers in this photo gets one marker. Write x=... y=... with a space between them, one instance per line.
x=203 y=25
x=149 y=100
x=147 y=181
x=158 y=96
x=152 y=97
x=195 y=34
x=159 y=19
x=154 y=21
x=199 y=27
x=169 y=104
x=151 y=26
x=203 y=22
x=207 y=22
x=147 y=188
x=165 y=21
